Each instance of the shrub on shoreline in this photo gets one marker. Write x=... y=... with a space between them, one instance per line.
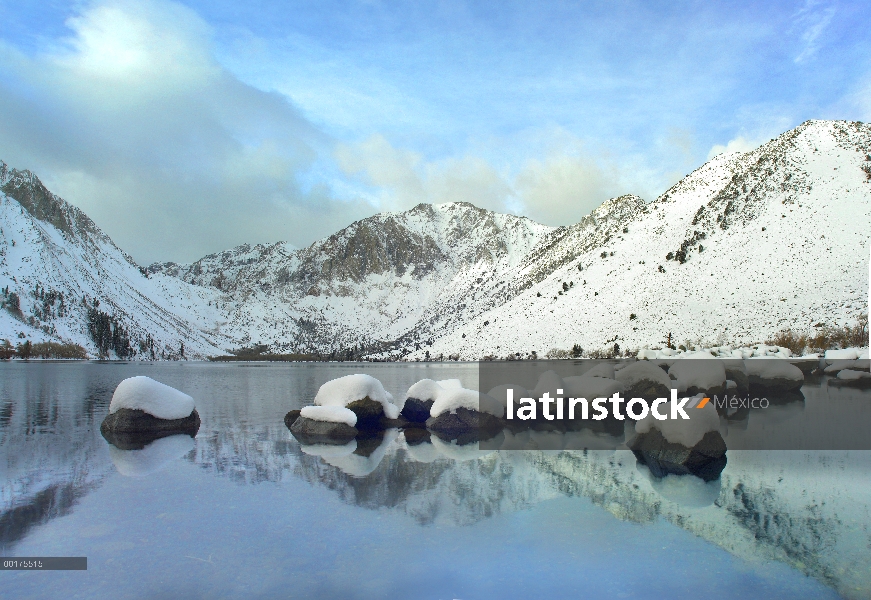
x=826 y=338
x=28 y=350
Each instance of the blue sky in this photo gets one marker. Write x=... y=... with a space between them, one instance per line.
x=186 y=128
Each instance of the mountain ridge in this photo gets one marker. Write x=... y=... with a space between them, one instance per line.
x=456 y=280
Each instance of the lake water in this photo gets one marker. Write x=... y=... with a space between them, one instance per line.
x=243 y=511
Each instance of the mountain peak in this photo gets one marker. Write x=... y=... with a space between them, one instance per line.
x=25 y=187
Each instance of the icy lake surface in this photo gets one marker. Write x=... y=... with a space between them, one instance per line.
x=243 y=511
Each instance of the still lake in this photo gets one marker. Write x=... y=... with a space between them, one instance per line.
x=243 y=511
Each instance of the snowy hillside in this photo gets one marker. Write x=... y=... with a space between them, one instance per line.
x=62 y=277
x=742 y=248
x=395 y=278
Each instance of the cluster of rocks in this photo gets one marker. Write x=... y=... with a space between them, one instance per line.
x=448 y=412
x=847 y=368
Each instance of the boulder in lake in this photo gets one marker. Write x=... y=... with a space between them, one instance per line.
x=364 y=396
x=136 y=424
x=644 y=380
x=417 y=410
x=291 y=417
x=772 y=376
x=851 y=378
x=419 y=400
x=141 y=405
x=464 y=425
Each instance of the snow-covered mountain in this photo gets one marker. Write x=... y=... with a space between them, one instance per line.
x=743 y=247
x=63 y=279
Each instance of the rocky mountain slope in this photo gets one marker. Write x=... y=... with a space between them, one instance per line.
x=63 y=279
x=745 y=246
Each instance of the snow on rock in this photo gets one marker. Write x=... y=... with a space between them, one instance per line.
x=350 y=388
x=687 y=432
x=145 y=394
x=640 y=371
x=151 y=458
x=845 y=354
x=838 y=365
x=549 y=382
x=426 y=389
x=697 y=373
x=772 y=369
x=331 y=414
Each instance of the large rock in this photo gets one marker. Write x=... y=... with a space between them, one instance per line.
x=773 y=376
x=136 y=421
x=369 y=413
x=644 y=380
x=420 y=397
x=291 y=417
x=464 y=425
x=851 y=378
x=417 y=410
x=700 y=373
x=706 y=459
x=311 y=431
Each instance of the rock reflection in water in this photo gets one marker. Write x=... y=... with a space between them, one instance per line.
x=151 y=458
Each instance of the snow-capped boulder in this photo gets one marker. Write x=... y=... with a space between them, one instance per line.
x=318 y=425
x=852 y=378
x=419 y=400
x=845 y=354
x=839 y=365
x=700 y=373
x=465 y=415
x=644 y=380
x=141 y=405
x=681 y=447
x=362 y=394
x=773 y=375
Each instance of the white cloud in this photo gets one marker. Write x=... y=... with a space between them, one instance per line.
x=813 y=23
x=738 y=144
x=558 y=190
x=133 y=120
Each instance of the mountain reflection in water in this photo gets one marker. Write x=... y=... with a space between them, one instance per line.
x=809 y=510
